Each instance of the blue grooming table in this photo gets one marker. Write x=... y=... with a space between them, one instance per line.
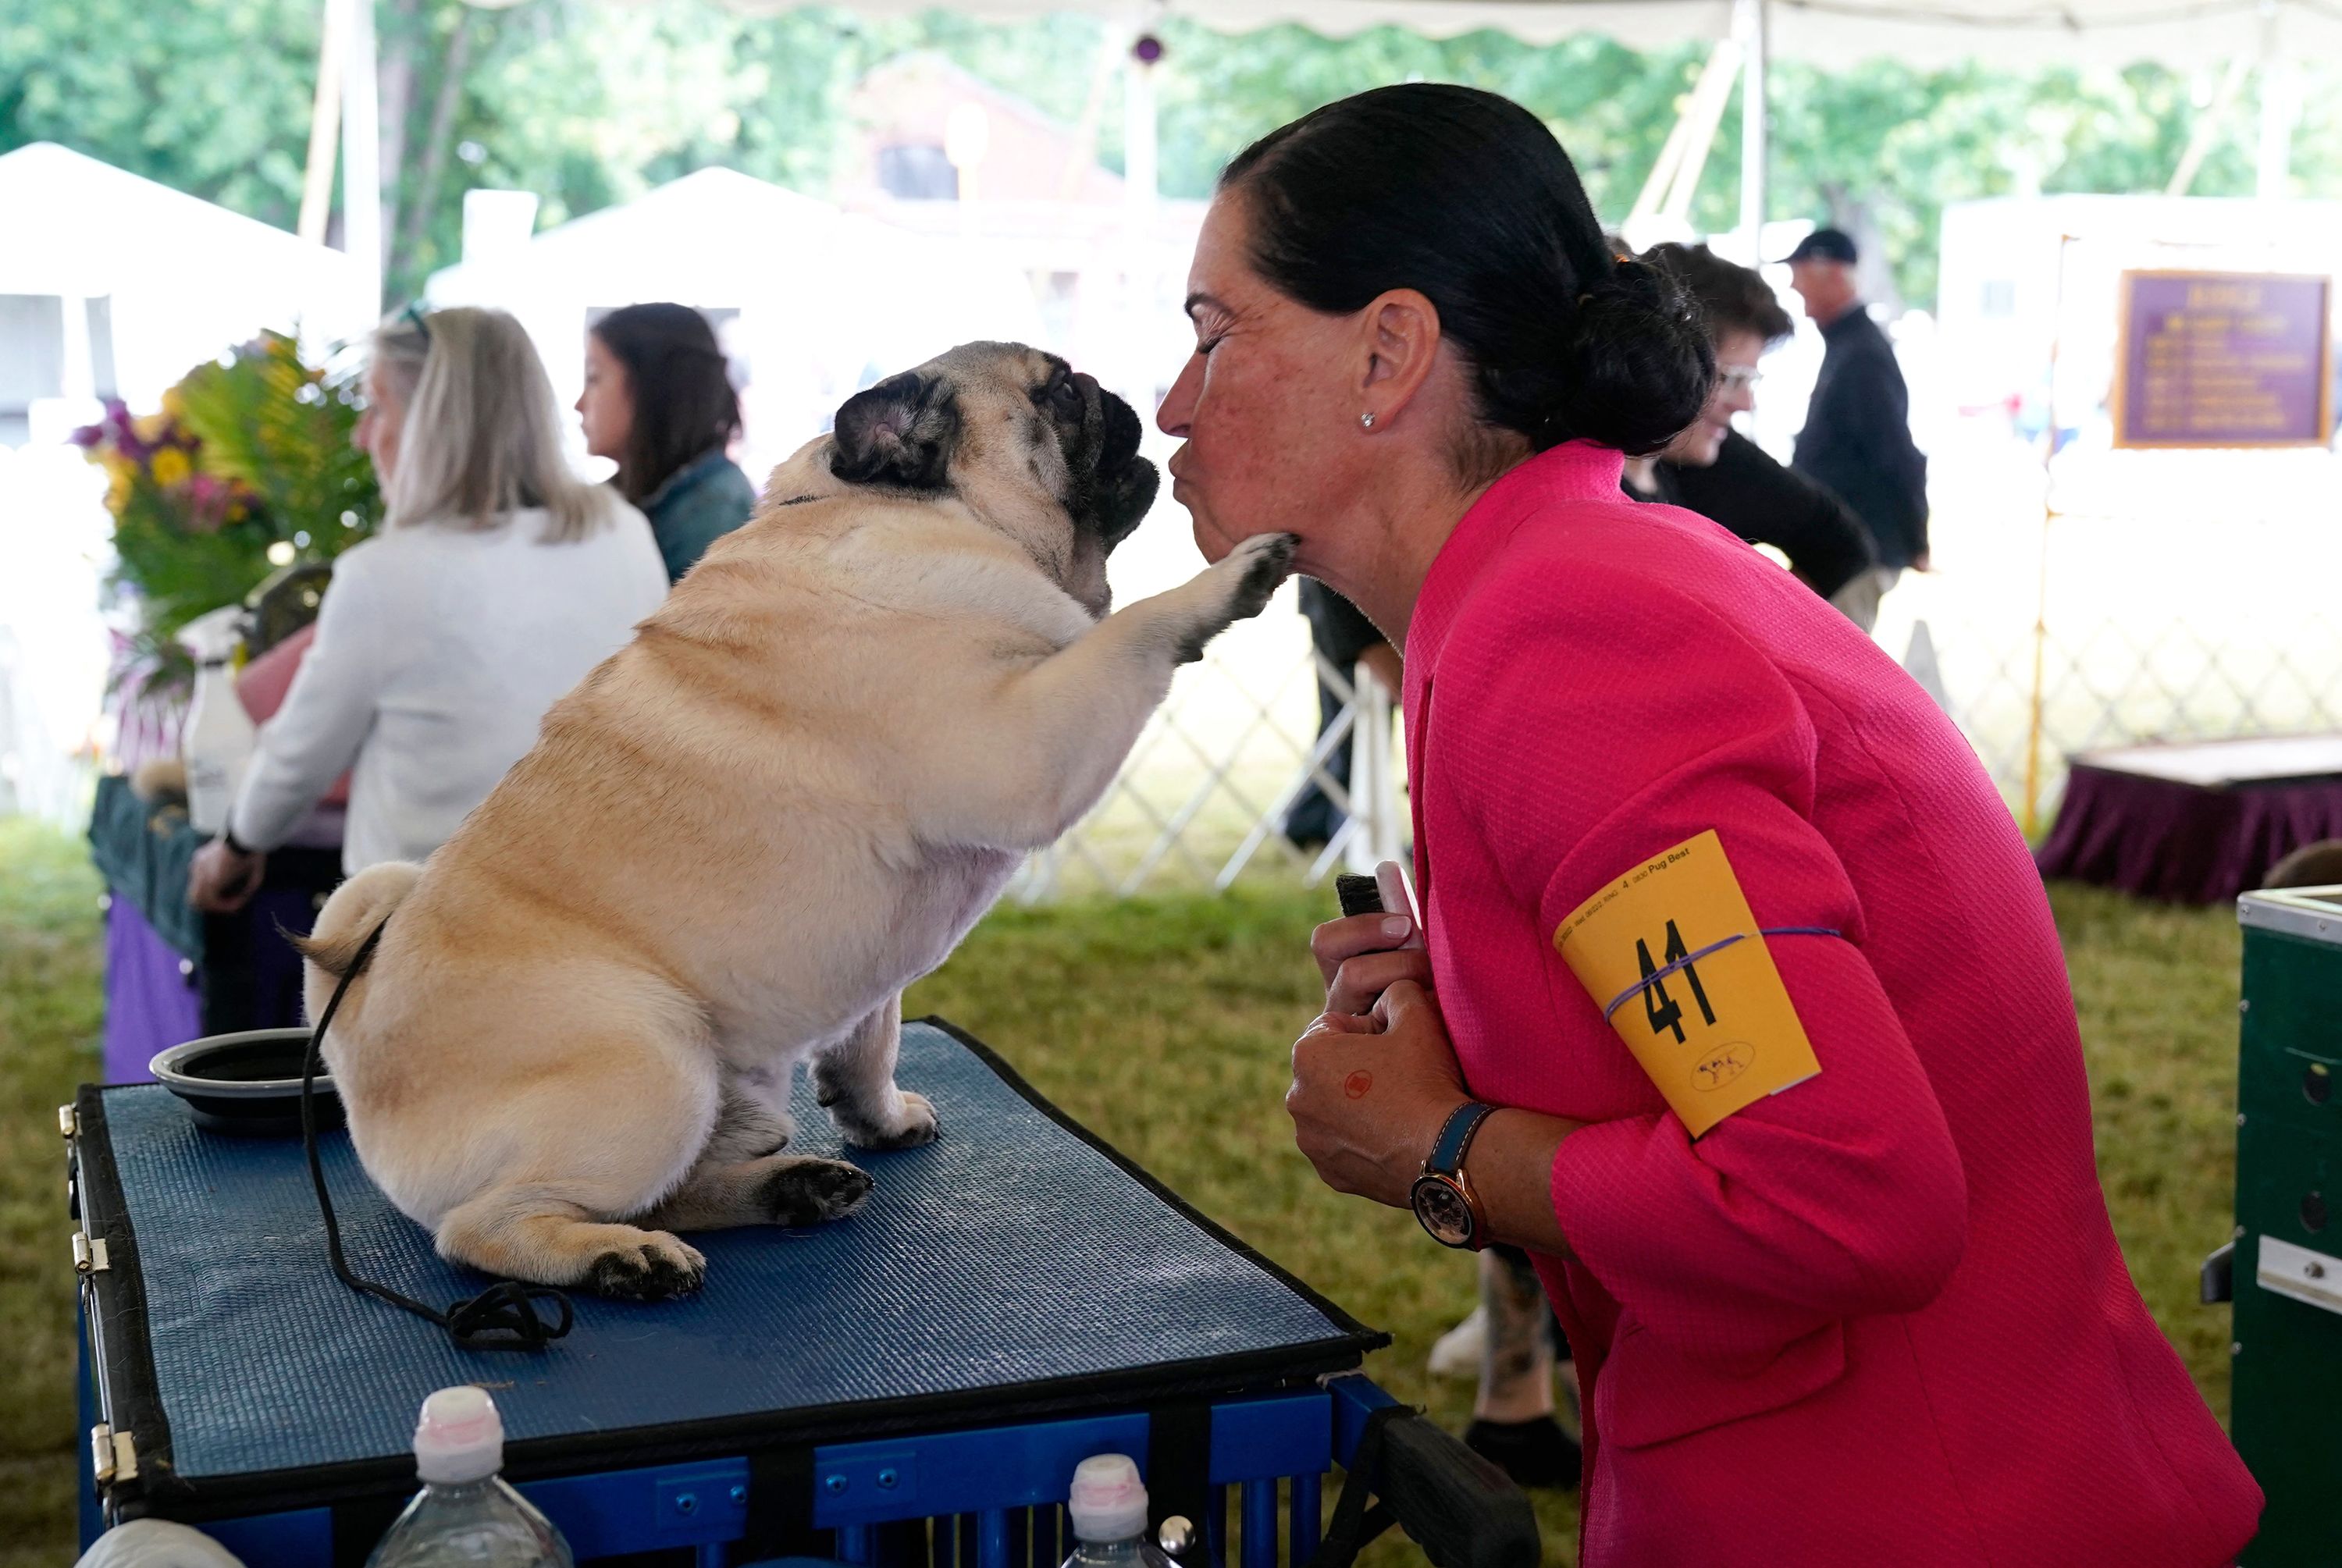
x=1018 y=1276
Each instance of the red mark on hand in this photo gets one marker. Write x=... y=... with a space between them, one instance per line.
x=1356 y=1084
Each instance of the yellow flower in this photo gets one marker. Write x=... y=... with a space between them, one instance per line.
x=149 y=427
x=172 y=467
x=117 y=493
x=175 y=407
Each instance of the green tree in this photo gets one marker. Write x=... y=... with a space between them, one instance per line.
x=211 y=98
x=588 y=102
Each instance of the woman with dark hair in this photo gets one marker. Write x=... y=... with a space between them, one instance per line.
x=658 y=403
x=1712 y=469
x=1741 y=1008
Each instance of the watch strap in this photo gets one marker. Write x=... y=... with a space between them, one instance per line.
x=1456 y=1136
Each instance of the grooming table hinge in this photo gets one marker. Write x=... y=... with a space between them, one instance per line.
x=113 y=1457
x=89 y=1253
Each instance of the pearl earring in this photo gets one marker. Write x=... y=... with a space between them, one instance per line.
x=1365 y=421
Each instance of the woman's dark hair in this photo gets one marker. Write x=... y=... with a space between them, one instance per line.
x=683 y=403
x=1732 y=297
x=1467 y=198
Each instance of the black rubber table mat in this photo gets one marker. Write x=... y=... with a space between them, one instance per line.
x=1014 y=1264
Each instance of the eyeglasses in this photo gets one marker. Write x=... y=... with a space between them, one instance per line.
x=1738 y=377
x=414 y=313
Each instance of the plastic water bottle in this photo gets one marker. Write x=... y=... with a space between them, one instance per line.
x=465 y=1516
x=1108 y=1509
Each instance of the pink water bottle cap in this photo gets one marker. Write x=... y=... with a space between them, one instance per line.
x=460 y=1437
x=1108 y=1500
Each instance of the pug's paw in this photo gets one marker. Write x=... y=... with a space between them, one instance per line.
x=809 y=1192
x=663 y=1266
x=1246 y=577
x=907 y=1123
x=1267 y=561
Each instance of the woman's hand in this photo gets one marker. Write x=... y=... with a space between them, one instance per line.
x=1360 y=957
x=1370 y=1094
x=222 y=879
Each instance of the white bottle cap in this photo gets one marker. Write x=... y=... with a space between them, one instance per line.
x=460 y=1437
x=1108 y=1500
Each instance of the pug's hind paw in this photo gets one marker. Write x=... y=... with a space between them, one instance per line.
x=810 y=1191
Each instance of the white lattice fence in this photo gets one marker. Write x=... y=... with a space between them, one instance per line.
x=2193 y=599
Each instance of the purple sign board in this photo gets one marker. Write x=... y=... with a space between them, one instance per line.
x=2225 y=359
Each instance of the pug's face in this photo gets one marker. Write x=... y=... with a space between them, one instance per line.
x=1037 y=450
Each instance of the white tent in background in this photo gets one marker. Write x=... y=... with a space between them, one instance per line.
x=110 y=282
x=812 y=303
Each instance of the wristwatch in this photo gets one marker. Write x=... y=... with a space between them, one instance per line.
x=1441 y=1197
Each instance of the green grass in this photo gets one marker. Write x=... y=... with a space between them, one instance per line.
x=1164 y=1024
x=50 y=956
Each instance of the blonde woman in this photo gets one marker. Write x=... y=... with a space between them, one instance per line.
x=499 y=579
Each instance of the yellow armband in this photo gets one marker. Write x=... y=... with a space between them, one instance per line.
x=1672 y=955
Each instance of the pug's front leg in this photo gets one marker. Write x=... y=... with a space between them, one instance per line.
x=855 y=1079
x=1021 y=764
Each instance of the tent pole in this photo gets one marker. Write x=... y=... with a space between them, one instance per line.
x=1666 y=174
x=1704 y=113
x=362 y=162
x=1140 y=215
x=1754 y=25
x=324 y=120
x=2279 y=89
x=2206 y=133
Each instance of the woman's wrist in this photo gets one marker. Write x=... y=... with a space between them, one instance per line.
x=1510 y=1169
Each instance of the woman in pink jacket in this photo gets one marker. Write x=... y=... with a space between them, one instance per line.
x=1741 y=1007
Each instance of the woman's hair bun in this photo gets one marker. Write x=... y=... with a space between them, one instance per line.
x=1466 y=197
x=1637 y=363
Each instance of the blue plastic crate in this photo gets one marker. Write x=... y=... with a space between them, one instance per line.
x=990 y=1497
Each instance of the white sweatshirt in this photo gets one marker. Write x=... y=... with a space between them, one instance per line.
x=438 y=652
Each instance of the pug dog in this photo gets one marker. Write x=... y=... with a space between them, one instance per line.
x=739 y=838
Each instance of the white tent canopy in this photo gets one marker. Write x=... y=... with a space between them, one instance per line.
x=815 y=301
x=2184 y=32
x=183 y=277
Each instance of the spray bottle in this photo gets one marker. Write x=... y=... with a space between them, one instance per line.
x=220 y=734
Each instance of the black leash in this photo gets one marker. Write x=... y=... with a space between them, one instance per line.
x=502 y=1317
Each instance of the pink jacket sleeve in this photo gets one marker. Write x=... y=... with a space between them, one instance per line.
x=1585 y=738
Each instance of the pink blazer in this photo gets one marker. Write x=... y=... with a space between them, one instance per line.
x=1880 y=1317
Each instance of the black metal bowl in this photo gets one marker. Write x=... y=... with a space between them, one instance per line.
x=248 y=1084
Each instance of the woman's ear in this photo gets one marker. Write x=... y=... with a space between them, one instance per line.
x=1401 y=332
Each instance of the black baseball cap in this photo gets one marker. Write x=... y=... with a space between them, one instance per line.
x=1823 y=244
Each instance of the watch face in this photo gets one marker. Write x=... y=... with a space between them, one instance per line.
x=1443 y=1212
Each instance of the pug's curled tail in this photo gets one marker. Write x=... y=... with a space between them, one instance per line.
x=351 y=914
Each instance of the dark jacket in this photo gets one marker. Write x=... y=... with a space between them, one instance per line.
x=1750 y=494
x=1858 y=438
x=700 y=503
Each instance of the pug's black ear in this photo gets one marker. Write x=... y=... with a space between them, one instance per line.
x=900 y=431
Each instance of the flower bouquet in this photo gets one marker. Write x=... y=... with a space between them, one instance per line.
x=245 y=468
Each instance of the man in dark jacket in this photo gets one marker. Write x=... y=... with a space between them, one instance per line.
x=1858 y=435
x=1714 y=470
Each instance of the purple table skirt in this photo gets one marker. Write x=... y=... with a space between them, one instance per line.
x=2188 y=844
x=151 y=1002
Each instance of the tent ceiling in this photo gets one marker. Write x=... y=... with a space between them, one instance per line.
x=2181 y=32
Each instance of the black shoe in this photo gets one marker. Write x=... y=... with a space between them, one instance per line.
x=1535 y=1453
